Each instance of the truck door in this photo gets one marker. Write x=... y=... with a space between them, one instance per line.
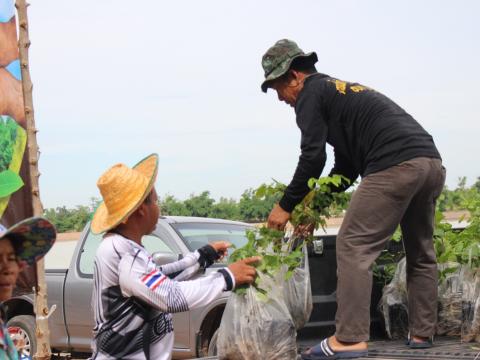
x=78 y=294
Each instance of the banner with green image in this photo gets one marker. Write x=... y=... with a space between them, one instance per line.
x=13 y=137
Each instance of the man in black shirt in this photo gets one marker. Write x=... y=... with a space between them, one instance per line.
x=402 y=176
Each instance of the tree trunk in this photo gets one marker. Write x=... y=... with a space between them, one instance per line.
x=41 y=306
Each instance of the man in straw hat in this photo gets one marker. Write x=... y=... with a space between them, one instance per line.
x=20 y=245
x=402 y=176
x=132 y=297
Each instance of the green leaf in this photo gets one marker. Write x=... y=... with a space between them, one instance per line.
x=262 y=295
x=261 y=191
x=9 y=183
x=241 y=290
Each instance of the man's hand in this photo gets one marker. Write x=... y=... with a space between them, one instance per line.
x=221 y=247
x=243 y=272
x=278 y=218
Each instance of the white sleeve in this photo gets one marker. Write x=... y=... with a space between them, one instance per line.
x=182 y=269
x=163 y=293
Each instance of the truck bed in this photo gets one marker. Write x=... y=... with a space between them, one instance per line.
x=444 y=349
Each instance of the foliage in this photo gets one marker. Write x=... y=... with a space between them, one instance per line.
x=275 y=253
x=169 y=205
x=454 y=199
x=200 y=205
x=225 y=209
x=8 y=136
x=316 y=206
x=69 y=219
x=253 y=209
x=269 y=244
x=454 y=247
x=384 y=267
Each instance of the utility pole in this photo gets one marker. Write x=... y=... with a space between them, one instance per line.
x=42 y=332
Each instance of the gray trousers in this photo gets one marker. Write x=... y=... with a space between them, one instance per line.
x=404 y=194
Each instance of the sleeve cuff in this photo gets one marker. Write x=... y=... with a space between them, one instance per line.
x=208 y=255
x=229 y=279
x=196 y=254
x=286 y=204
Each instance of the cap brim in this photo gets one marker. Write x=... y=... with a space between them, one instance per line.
x=32 y=238
x=102 y=221
x=273 y=76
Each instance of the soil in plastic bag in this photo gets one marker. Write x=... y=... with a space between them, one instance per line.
x=458 y=304
x=257 y=329
x=450 y=304
x=393 y=304
x=297 y=292
x=471 y=306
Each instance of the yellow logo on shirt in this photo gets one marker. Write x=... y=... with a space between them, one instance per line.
x=343 y=86
x=340 y=85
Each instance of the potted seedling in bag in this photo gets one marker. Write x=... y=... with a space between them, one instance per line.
x=260 y=320
x=307 y=216
x=256 y=323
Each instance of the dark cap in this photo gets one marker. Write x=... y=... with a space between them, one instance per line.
x=278 y=59
x=31 y=238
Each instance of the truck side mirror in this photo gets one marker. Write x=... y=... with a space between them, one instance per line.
x=162 y=257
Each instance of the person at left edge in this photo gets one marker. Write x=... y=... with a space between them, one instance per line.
x=20 y=245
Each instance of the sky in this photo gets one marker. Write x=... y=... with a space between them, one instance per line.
x=117 y=80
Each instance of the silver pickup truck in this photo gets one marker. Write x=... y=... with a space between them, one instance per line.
x=69 y=274
x=70 y=282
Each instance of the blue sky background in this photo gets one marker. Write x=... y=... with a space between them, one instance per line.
x=117 y=80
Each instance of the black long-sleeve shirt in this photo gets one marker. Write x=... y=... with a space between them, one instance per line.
x=367 y=130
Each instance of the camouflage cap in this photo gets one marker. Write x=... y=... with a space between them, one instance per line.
x=279 y=57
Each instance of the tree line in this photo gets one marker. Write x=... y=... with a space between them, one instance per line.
x=248 y=208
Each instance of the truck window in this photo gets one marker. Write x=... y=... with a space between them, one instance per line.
x=87 y=255
x=153 y=244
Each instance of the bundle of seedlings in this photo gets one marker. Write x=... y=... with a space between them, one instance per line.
x=312 y=213
x=260 y=321
x=458 y=254
x=256 y=323
x=458 y=257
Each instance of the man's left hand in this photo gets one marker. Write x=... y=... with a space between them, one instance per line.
x=278 y=218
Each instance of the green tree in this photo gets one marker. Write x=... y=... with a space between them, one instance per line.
x=253 y=209
x=476 y=185
x=200 y=205
x=452 y=199
x=169 y=205
x=69 y=219
x=226 y=209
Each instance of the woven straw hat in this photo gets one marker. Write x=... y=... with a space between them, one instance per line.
x=123 y=190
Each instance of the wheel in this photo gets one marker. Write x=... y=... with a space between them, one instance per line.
x=212 y=344
x=22 y=331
